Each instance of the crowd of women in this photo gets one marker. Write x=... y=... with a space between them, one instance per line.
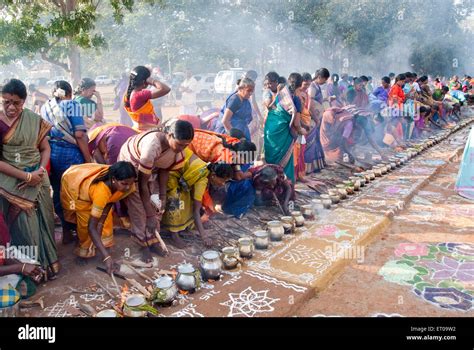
x=160 y=178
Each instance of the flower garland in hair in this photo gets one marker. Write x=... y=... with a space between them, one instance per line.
x=59 y=93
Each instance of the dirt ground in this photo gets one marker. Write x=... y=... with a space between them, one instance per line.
x=435 y=215
x=416 y=261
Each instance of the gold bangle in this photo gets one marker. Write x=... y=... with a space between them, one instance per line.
x=28 y=177
x=106 y=258
x=23 y=269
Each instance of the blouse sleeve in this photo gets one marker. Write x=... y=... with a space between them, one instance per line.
x=150 y=149
x=199 y=189
x=100 y=195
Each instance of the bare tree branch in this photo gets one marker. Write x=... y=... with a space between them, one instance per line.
x=45 y=57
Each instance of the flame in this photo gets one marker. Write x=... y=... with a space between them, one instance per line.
x=183 y=292
x=123 y=295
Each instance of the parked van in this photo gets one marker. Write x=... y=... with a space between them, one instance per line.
x=226 y=80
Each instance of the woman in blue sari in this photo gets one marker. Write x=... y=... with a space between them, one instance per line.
x=237 y=110
x=68 y=141
x=236 y=114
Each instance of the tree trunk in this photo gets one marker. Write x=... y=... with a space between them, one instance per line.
x=73 y=57
x=74 y=64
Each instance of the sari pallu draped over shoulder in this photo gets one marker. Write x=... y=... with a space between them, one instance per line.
x=279 y=141
x=32 y=223
x=143 y=118
x=20 y=149
x=83 y=197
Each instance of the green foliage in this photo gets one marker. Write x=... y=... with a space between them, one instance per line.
x=212 y=34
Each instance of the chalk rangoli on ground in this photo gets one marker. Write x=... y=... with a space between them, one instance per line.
x=249 y=303
x=275 y=281
x=442 y=274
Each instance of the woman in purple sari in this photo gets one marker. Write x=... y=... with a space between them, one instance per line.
x=106 y=140
x=314 y=154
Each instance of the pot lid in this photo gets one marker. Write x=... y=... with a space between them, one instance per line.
x=135 y=300
x=186 y=268
x=210 y=255
x=164 y=282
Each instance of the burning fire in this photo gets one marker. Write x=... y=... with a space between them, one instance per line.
x=123 y=295
x=183 y=292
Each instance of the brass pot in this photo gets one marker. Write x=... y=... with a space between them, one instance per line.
x=275 y=230
x=246 y=247
x=261 y=239
x=288 y=223
x=299 y=219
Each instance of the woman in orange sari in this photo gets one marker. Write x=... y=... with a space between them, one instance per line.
x=137 y=100
x=305 y=120
x=213 y=147
x=88 y=193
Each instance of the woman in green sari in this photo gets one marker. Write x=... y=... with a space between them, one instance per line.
x=282 y=128
x=25 y=197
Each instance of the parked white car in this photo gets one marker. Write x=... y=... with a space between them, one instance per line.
x=227 y=79
x=205 y=83
x=103 y=80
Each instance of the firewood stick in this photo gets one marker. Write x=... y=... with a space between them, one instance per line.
x=141 y=274
x=161 y=242
x=105 y=290
x=140 y=288
x=278 y=202
x=115 y=283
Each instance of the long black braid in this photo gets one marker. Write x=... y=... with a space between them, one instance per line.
x=138 y=76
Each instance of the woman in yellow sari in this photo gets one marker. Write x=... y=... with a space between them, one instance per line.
x=187 y=194
x=137 y=99
x=88 y=192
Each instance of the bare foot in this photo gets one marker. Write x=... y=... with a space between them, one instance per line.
x=177 y=241
x=146 y=255
x=80 y=261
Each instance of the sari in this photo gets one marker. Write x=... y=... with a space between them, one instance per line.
x=240 y=119
x=185 y=186
x=66 y=118
x=465 y=180
x=144 y=118
x=334 y=121
x=208 y=146
x=145 y=153
x=33 y=223
x=313 y=153
x=278 y=140
x=300 y=145
x=115 y=136
x=82 y=199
